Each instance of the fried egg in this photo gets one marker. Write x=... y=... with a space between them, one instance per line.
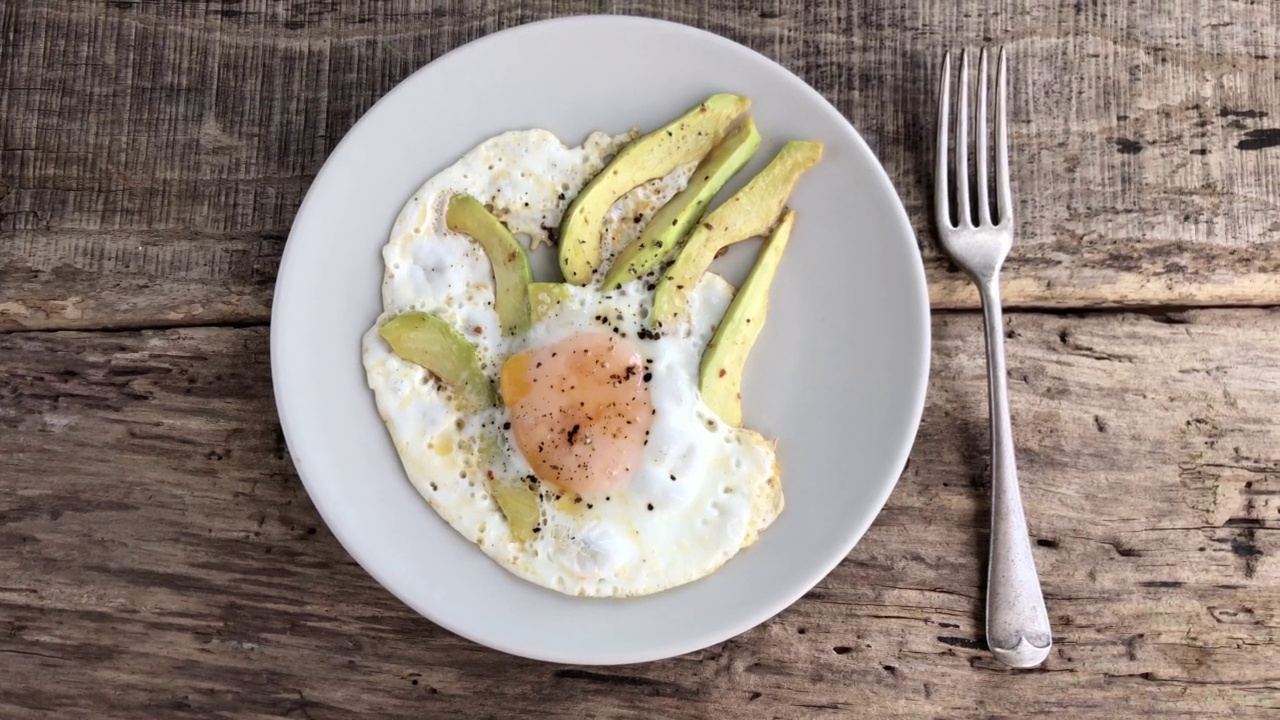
x=638 y=486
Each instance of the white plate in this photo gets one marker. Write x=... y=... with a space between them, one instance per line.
x=838 y=376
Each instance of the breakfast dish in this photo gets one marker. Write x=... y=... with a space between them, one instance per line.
x=587 y=434
x=837 y=378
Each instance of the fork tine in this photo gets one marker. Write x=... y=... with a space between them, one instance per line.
x=963 y=216
x=1004 y=195
x=980 y=151
x=941 y=195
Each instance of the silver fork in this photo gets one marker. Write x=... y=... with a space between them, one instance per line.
x=1017 y=623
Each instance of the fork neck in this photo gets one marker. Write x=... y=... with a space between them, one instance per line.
x=992 y=314
x=997 y=374
x=988 y=293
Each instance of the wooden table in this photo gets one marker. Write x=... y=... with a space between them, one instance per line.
x=159 y=558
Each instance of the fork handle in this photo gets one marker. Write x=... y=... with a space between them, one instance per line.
x=1017 y=623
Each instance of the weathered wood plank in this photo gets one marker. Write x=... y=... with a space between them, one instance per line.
x=160 y=557
x=142 y=278
x=149 y=141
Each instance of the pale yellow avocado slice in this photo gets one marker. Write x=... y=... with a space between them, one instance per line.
x=749 y=213
x=720 y=375
x=428 y=341
x=511 y=272
x=517 y=498
x=684 y=140
x=544 y=297
x=669 y=226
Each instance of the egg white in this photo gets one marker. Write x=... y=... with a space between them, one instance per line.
x=656 y=532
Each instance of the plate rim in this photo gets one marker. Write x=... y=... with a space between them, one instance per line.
x=838 y=551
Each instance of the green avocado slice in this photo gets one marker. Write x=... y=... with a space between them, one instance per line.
x=511 y=272
x=683 y=140
x=516 y=495
x=749 y=213
x=428 y=341
x=517 y=498
x=720 y=374
x=661 y=237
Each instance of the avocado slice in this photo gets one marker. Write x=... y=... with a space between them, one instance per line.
x=683 y=140
x=428 y=341
x=720 y=374
x=517 y=498
x=544 y=297
x=750 y=212
x=662 y=236
x=511 y=272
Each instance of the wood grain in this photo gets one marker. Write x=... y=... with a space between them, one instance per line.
x=153 y=154
x=160 y=558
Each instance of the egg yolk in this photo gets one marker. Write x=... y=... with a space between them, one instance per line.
x=580 y=410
